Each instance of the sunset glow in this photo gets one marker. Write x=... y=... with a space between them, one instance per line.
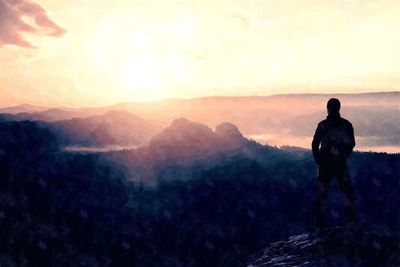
x=148 y=50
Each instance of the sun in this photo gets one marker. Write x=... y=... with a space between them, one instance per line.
x=142 y=72
x=133 y=66
x=138 y=62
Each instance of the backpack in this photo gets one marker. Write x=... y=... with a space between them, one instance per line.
x=336 y=142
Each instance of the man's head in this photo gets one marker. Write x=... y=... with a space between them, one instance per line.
x=333 y=106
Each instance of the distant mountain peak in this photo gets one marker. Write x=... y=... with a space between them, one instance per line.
x=227 y=129
x=118 y=112
x=184 y=130
x=230 y=135
x=185 y=140
x=22 y=108
x=184 y=123
x=180 y=121
x=121 y=114
x=25 y=105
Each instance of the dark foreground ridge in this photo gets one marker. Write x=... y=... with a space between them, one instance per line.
x=335 y=247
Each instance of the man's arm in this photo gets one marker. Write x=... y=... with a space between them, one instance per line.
x=315 y=144
x=352 y=140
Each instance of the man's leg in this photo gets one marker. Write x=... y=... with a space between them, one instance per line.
x=324 y=179
x=345 y=186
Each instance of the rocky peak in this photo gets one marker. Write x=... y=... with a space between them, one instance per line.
x=228 y=130
x=230 y=134
x=185 y=131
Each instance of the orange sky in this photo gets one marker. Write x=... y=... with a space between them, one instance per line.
x=98 y=52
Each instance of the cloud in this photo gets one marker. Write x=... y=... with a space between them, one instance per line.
x=14 y=15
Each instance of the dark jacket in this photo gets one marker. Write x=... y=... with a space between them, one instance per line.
x=333 y=140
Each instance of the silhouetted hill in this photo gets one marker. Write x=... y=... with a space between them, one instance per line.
x=113 y=128
x=49 y=115
x=230 y=135
x=23 y=108
x=72 y=128
x=186 y=146
x=187 y=140
x=183 y=135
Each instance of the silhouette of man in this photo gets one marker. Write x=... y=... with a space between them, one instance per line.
x=332 y=143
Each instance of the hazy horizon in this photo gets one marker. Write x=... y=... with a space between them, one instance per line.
x=27 y=102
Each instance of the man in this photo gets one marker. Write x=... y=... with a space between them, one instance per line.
x=332 y=143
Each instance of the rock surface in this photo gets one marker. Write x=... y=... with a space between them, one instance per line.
x=335 y=247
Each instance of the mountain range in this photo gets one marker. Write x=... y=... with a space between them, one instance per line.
x=276 y=120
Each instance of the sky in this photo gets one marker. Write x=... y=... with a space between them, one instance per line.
x=99 y=52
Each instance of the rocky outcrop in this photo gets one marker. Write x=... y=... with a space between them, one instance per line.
x=230 y=135
x=335 y=247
